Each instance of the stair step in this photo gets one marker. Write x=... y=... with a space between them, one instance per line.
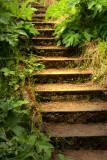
x=40 y=11
x=38 y=15
x=85 y=154
x=47 y=23
x=34 y=3
x=76 y=130
x=73 y=106
x=51 y=48
x=65 y=72
x=43 y=41
x=43 y=38
x=38 y=6
x=63 y=76
x=62 y=62
x=58 y=87
x=60 y=58
x=46 y=32
x=41 y=25
x=49 y=51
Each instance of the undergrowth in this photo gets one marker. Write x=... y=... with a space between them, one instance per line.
x=79 y=20
x=19 y=137
x=83 y=23
x=96 y=52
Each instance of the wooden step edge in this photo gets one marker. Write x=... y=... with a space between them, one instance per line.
x=74 y=88
x=65 y=72
x=50 y=47
x=41 y=38
x=60 y=58
x=84 y=154
x=43 y=22
x=38 y=5
x=45 y=30
x=73 y=106
x=38 y=16
x=76 y=130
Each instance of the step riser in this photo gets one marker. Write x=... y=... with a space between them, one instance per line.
x=48 y=53
x=62 y=78
x=38 y=19
x=76 y=117
x=46 y=42
x=62 y=64
x=44 y=26
x=93 y=143
x=52 y=52
x=69 y=96
x=48 y=34
x=38 y=7
x=40 y=12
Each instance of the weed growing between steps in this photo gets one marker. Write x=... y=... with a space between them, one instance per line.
x=96 y=52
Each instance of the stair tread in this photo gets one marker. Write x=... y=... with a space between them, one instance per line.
x=60 y=58
x=43 y=22
x=38 y=15
x=76 y=130
x=58 y=87
x=73 y=106
x=43 y=38
x=45 y=29
x=65 y=71
x=85 y=154
x=51 y=47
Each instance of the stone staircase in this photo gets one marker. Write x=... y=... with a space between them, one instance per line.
x=74 y=111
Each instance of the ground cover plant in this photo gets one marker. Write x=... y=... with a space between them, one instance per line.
x=79 y=22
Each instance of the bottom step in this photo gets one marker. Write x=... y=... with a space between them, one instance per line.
x=85 y=155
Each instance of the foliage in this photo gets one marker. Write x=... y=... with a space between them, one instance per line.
x=24 y=11
x=82 y=20
x=17 y=139
x=61 y=157
x=12 y=34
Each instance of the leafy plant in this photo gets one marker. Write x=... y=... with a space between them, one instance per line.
x=17 y=140
x=79 y=20
x=61 y=157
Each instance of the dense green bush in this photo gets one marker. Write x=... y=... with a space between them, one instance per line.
x=12 y=34
x=82 y=20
